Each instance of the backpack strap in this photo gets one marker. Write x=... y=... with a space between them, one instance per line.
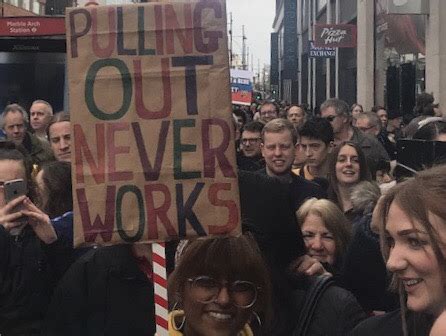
x=317 y=288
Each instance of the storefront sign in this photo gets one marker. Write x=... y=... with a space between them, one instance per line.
x=241 y=86
x=335 y=35
x=316 y=52
x=32 y=26
x=153 y=141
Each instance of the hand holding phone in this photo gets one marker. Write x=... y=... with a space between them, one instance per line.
x=13 y=190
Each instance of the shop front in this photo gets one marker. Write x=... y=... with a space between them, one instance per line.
x=400 y=58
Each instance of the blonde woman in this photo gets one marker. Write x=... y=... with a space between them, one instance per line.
x=325 y=230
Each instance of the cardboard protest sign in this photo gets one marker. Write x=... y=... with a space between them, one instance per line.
x=153 y=141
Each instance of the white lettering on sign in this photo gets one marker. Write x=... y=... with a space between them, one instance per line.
x=236 y=80
x=33 y=24
x=23 y=27
x=19 y=30
x=16 y=24
x=322 y=53
x=331 y=35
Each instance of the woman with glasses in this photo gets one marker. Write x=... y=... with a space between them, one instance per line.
x=220 y=287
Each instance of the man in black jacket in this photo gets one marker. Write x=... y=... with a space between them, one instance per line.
x=279 y=142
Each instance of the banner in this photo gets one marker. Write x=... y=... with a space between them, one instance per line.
x=316 y=52
x=153 y=140
x=241 y=86
x=335 y=35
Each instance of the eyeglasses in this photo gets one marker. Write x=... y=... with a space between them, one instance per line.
x=206 y=290
x=330 y=118
x=250 y=141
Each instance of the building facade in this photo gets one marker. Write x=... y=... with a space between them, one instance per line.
x=283 y=71
x=398 y=52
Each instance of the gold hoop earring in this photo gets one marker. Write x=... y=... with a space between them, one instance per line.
x=174 y=323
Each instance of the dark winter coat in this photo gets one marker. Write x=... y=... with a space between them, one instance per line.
x=267 y=214
x=336 y=313
x=29 y=271
x=103 y=293
x=300 y=190
x=364 y=271
x=391 y=324
x=250 y=163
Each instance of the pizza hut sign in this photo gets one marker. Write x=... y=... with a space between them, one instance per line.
x=335 y=35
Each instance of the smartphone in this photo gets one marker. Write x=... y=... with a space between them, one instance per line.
x=14 y=189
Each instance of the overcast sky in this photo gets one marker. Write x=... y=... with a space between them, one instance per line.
x=257 y=16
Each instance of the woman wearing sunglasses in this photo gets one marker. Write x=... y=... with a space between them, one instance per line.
x=220 y=287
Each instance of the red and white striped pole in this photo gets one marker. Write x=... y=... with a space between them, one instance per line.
x=160 y=288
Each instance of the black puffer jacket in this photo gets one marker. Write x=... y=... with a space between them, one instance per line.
x=29 y=270
x=103 y=293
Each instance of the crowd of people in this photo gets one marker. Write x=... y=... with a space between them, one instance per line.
x=332 y=244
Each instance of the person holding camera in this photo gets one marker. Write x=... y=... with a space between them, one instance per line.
x=31 y=258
